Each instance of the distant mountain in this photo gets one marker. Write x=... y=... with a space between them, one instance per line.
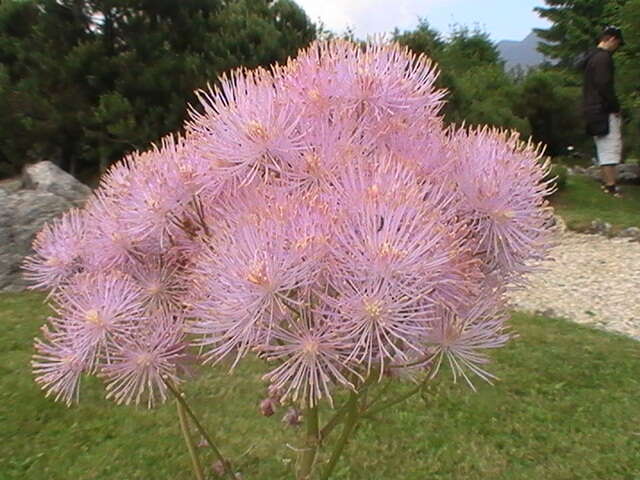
x=524 y=53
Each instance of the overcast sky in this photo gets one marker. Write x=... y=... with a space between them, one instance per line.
x=501 y=19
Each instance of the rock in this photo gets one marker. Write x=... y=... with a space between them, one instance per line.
x=626 y=173
x=23 y=212
x=6 y=219
x=600 y=227
x=546 y=312
x=577 y=170
x=47 y=177
x=22 y=215
x=31 y=210
x=11 y=185
x=593 y=172
x=631 y=232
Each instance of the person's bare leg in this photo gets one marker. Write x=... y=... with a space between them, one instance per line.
x=609 y=175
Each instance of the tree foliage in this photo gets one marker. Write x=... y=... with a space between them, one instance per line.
x=628 y=61
x=576 y=25
x=480 y=92
x=550 y=100
x=82 y=82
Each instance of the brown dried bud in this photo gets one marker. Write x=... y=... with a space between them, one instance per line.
x=292 y=417
x=268 y=407
x=218 y=468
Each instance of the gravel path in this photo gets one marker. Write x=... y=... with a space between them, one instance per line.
x=594 y=280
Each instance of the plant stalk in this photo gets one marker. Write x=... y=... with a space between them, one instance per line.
x=347 y=430
x=311 y=442
x=332 y=423
x=201 y=429
x=188 y=439
x=395 y=401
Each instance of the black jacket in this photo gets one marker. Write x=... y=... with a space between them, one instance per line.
x=599 y=96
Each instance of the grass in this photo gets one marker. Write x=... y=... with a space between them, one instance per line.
x=582 y=201
x=566 y=408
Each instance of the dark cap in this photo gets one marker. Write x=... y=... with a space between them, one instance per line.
x=613 y=31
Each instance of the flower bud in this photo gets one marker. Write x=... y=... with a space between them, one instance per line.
x=220 y=471
x=268 y=407
x=293 y=417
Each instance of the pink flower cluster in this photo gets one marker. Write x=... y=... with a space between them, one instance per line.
x=318 y=215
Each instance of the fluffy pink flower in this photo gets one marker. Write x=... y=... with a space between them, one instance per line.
x=58 y=366
x=112 y=244
x=162 y=289
x=58 y=248
x=461 y=338
x=318 y=79
x=116 y=181
x=379 y=320
x=501 y=182
x=139 y=368
x=390 y=225
x=158 y=193
x=244 y=281
x=318 y=214
x=94 y=312
x=314 y=169
x=389 y=80
x=313 y=359
x=246 y=129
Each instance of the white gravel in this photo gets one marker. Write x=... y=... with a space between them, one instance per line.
x=592 y=280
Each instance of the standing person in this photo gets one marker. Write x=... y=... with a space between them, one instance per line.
x=601 y=106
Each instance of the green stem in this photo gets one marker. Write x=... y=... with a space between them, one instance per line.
x=201 y=429
x=380 y=394
x=311 y=442
x=188 y=439
x=395 y=401
x=331 y=424
x=349 y=425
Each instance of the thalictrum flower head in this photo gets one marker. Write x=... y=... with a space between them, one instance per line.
x=244 y=279
x=139 y=368
x=58 y=248
x=246 y=129
x=501 y=182
x=94 y=311
x=58 y=365
x=462 y=338
x=318 y=214
x=312 y=358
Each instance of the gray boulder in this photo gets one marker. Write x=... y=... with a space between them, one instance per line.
x=23 y=213
x=47 y=177
x=600 y=227
x=627 y=173
x=11 y=185
x=631 y=232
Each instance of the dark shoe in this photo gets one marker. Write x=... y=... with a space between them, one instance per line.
x=612 y=190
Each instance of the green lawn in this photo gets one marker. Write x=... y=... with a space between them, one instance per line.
x=582 y=201
x=566 y=408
